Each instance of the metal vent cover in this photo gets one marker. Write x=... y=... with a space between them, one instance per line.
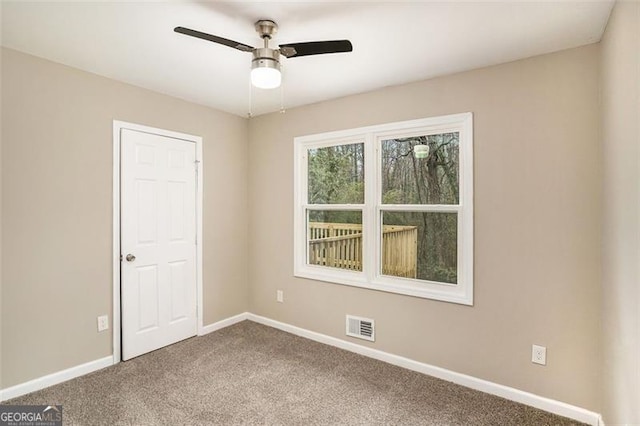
x=362 y=328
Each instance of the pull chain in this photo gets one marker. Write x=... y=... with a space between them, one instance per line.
x=249 y=115
x=282 y=109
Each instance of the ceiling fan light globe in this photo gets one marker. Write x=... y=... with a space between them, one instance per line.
x=266 y=78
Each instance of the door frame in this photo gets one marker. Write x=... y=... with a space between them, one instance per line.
x=116 y=311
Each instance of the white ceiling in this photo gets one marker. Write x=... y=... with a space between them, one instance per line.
x=394 y=42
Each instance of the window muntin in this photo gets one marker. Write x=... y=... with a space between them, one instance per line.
x=413 y=232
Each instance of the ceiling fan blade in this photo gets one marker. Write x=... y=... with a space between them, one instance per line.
x=215 y=39
x=292 y=50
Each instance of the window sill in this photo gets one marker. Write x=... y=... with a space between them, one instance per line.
x=453 y=293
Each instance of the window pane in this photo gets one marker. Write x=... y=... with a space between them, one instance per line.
x=335 y=239
x=336 y=174
x=422 y=245
x=430 y=180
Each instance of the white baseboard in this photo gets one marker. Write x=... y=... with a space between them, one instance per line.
x=546 y=404
x=55 y=378
x=222 y=323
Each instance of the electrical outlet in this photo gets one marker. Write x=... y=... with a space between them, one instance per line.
x=103 y=322
x=280 y=296
x=539 y=355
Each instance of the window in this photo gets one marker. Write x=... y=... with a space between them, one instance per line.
x=388 y=207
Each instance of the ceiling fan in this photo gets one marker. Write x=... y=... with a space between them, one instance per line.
x=265 y=65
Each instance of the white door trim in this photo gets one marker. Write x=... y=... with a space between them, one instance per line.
x=115 y=315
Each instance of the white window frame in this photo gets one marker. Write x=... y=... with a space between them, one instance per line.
x=371 y=276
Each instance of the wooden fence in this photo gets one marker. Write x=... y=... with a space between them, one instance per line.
x=339 y=245
x=400 y=251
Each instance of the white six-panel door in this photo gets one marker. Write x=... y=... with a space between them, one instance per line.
x=158 y=241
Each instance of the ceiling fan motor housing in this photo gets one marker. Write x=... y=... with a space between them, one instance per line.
x=265 y=58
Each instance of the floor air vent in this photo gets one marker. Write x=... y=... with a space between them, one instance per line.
x=362 y=328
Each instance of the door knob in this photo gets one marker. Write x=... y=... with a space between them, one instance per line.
x=130 y=258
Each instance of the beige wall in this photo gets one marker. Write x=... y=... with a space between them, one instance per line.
x=537 y=226
x=57 y=209
x=621 y=274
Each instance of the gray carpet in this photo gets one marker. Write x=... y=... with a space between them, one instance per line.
x=252 y=374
